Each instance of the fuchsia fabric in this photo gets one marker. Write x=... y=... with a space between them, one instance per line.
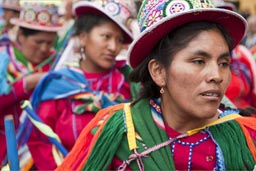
x=59 y=116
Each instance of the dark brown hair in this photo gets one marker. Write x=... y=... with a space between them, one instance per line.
x=86 y=23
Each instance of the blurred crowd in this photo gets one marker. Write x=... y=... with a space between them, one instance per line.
x=47 y=51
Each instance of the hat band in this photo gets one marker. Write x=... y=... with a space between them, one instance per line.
x=42 y=17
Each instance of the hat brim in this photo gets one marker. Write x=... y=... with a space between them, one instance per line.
x=34 y=26
x=234 y=23
x=11 y=7
x=82 y=7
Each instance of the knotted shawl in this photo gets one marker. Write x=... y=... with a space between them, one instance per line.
x=95 y=152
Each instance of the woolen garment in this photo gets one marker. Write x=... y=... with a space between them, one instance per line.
x=68 y=103
x=11 y=101
x=231 y=143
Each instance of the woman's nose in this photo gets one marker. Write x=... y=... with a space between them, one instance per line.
x=215 y=74
x=114 y=45
x=44 y=47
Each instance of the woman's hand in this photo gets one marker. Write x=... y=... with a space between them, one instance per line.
x=32 y=80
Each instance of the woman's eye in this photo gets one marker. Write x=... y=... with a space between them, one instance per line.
x=106 y=36
x=121 y=40
x=39 y=42
x=225 y=64
x=198 y=62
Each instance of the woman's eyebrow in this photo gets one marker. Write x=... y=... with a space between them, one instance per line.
x=207 y=55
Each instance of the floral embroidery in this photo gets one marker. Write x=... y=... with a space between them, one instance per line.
x=150 y=4
x=154 y=17
x=154 y=10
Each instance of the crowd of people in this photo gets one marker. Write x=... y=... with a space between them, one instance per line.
x=129 y=85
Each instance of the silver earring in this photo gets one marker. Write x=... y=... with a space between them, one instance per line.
x=82 y=53
x=162 y=90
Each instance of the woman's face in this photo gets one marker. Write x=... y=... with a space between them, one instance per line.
x=8 y=14
x=198 y=77
x=36 y=47
x=102 y=45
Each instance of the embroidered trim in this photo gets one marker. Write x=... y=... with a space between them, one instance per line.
x=191 y=146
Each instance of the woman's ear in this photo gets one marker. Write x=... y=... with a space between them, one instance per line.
x=157 y=72
x=20 y=37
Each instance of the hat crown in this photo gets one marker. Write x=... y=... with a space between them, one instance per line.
x=120 y=10
x=40 y=14
x=151 y=11
x=225 y=5
x=11 y=4
x=218 y=2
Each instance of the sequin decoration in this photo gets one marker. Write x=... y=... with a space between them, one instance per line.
x=176 y=6
x=112 y=8
x=40 y=14
x=29 y=15
x=43 y=17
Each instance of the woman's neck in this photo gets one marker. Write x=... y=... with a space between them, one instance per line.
x=183 y=123
x=90 y=68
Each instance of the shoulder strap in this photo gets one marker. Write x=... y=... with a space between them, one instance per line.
x=130 y=127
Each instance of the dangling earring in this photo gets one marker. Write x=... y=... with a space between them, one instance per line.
x=162 y=90
x=82 y=53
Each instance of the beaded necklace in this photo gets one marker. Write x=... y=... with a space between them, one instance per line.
x=191 y=146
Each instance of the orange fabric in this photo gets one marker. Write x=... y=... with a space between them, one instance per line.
x=28 y=165
x=85 y=141
x=253 y=49
x=250 y=123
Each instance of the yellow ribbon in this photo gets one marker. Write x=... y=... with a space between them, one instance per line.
x=46 y=130
x=130 y=127
x=218 y=121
